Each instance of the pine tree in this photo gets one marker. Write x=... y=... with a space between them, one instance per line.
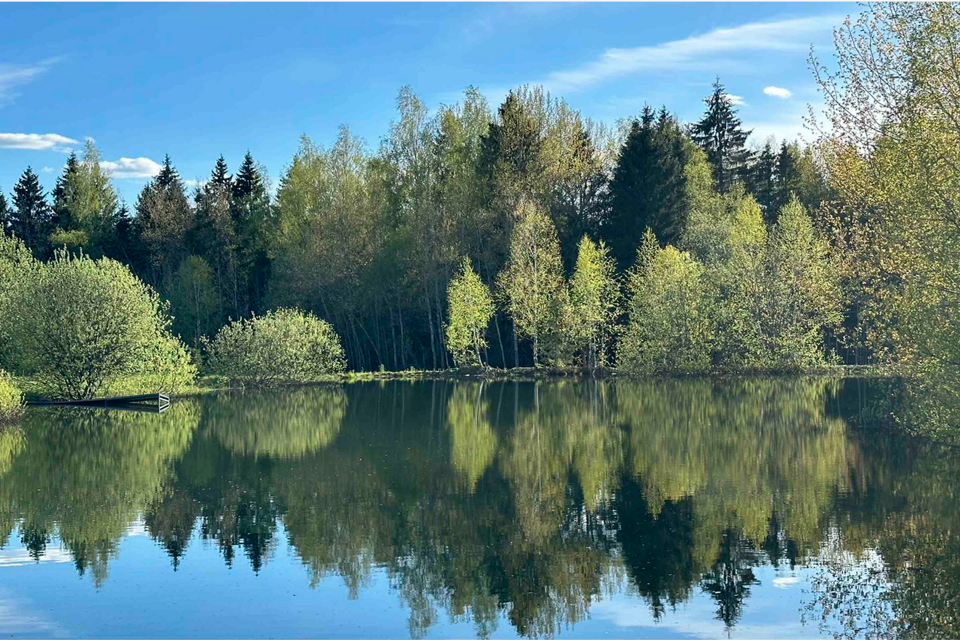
x=788 y=177
x=720 y=134
x=164 y=220
x=252 y=218
x=763 y=182
x=220 y=176
x=64 y=193
x=4 y=213
x=31 y=217
x=648 y=187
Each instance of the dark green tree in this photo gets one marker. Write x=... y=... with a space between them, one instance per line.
x=4 y=213
x=763 y=182
x=252 y=216
x=164 y=221
x=722 y=137
x=65 y=192
x=31 y=217
x=648 y=187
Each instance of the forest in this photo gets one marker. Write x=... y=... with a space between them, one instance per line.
x=527 y=235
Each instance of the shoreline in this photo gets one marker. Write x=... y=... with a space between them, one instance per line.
x=214 y=384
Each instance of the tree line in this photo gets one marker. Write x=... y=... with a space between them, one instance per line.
x=770 y=258
x=371 y=241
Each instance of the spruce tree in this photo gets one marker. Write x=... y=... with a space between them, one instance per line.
x=31 y=217
x=788 y=177
x=722 y=137
x=648 y=187
x=164 y=220
x=763 y=182
x=252 y=218
x=64 y=193
x=4 y=213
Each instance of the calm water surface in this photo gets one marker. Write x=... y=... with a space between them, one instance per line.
x=681 y=508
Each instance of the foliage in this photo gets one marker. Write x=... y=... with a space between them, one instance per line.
x=84 y=323
x=670 y=327
x=285 y=345
x=469 y=309
x=11 y=398
x=85 y=206
x=594 y=303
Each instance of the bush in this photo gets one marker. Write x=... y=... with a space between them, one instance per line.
x=286 y=345
x=84 y=324
x=11 y=399
x=670 y=327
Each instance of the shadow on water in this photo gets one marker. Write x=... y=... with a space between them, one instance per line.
x=518 y=501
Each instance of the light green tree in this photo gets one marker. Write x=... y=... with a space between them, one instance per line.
x=469 y=309
x=671 y=325
x=594 y=302
x=803 y=297
x=531 y=285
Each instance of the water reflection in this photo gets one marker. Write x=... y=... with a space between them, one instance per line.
x=516 y=502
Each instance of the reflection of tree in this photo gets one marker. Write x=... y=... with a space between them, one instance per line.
x=84 y=475
x=729 y=580
x=473 y=441
x=894 y=567
x=518 y=502
x=280 y=424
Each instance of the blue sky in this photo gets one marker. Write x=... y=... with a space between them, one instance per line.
x=198 y=80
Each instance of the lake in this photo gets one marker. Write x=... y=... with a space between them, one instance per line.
x=672 y=508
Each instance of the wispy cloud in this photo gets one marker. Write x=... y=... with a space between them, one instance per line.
x=14 y=75
x=706 y=52
x=736 y=100
x=48 y=170
x=778 y=92
x=36 y=141
x=131 y=168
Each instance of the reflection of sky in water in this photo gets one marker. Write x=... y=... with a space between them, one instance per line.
x=145 y=597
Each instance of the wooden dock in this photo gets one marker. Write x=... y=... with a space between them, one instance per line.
x=152 y=402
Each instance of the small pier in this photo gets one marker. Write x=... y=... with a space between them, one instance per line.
x=150 y=402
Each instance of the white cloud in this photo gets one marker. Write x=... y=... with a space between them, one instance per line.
x=48 y=170
x=194 y=183
x=36 y=141
x=131 y=168
x=737 y=101
x=12 y=75
x=778 y=92
x=696 y=53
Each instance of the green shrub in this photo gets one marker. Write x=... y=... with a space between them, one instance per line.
x=11 y=398
x=84 y=324
x=670 y=327
x=286 y=345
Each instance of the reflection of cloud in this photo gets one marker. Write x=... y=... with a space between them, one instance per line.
x=786 y=582
x=20 y=557
x=15 y=619
x=137 y=528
